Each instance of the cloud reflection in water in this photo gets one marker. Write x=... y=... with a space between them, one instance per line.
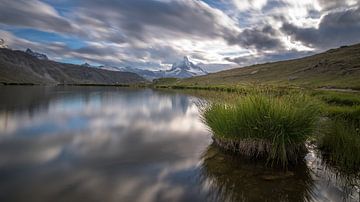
x=102 y=145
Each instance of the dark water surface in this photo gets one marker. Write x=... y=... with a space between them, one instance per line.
x=118 y=144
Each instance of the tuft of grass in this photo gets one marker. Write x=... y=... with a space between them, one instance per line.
x=340 y=105
x=260 y=125
x=340 y=144
x=349 y=113
x=339 y=98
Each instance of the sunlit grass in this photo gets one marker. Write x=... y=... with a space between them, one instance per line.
x=262 y=125
x=343 y=105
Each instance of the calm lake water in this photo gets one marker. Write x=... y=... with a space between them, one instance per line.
x=119 y=144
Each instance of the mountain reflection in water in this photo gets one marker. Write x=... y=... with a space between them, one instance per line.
x=119 y=144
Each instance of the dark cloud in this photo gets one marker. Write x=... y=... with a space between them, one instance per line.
x=238 y=60
x=107 y=54
x=33 y=14
x=332 y=4
x=269 y=57
x=94 y=50
x=144 y=57
x=260 y=38
x=146 y=19
x=335 y=29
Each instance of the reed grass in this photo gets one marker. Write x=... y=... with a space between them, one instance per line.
x=264 y=126
x=340 y=144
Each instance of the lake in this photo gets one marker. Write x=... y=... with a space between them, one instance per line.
x=123 y=144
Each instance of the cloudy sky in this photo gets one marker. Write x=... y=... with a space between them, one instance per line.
x=153 y=34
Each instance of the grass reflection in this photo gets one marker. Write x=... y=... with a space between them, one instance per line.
x=234 y=178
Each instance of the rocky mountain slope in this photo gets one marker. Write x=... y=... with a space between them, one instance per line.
x=2 y=44
x=23 y=67
x=39 y=56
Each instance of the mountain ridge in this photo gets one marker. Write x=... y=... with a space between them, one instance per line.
x=20 y=67
x=37 y=55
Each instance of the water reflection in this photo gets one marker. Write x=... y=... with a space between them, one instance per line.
x=117 y=144
x=238 y=179
x=99 y=144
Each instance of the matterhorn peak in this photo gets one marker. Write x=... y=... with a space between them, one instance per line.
x=187 y=61
x=29 y=51
x=2 y=44
x=39 y=56
x=86 y=64
x=185 y=69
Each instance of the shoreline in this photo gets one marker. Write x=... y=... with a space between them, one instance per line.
x=185 y=87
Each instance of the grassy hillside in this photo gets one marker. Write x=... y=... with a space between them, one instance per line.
x=19 y=67
x=336 y=68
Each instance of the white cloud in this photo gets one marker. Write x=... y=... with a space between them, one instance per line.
x=244 y=5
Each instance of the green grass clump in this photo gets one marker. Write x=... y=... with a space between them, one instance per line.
x=260 y=125
x=339 y=98
x=340 y=143
x=349 y=113
x=340 y=105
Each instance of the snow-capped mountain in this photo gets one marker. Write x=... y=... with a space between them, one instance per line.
x=39 y=56
x=185 y=69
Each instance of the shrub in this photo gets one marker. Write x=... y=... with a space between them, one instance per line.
x=259 y=125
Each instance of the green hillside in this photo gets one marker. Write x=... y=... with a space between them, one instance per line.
x=335 y=68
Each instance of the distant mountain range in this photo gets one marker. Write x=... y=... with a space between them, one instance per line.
x=35 y=68
x=338 y=68
x=182 y=69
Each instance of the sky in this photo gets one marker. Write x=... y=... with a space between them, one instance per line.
x=154 y=34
